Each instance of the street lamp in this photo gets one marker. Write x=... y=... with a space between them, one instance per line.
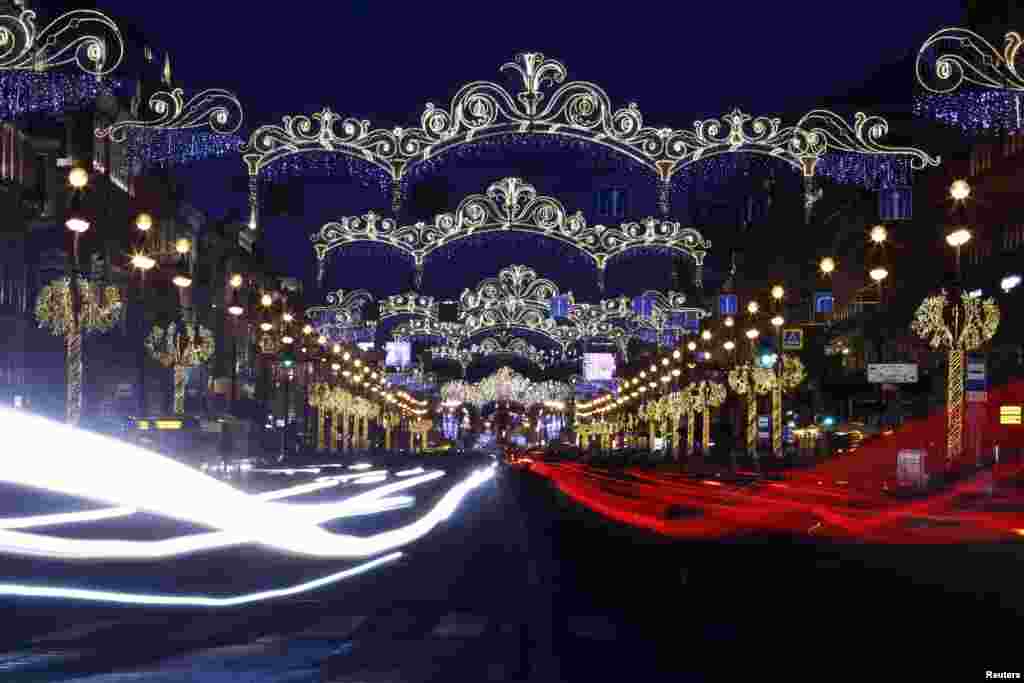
x=78 y=178
x=778 y=292
x=182 y=276
x=827 y=265
x=957 y=239
x=878 y=274
x=144 y=222
x=753 y=308
x=879 y=234
x=960 y=190
x=778 y=321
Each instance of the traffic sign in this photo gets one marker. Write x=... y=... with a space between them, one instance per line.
x=976 y=376
x=793 y=339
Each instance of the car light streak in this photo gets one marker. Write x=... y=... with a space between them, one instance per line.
x=409 y=473
x=371 y=502
x=360 y=466
x=373 y=479
x=21 y=590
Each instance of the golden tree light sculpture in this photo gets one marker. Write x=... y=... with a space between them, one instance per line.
x=791 y=375
x=957 y=327
x=99 y=310
x=180 y=347
x=750 y=381
x=703 y=396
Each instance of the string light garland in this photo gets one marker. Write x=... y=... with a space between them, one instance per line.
x=50 y=92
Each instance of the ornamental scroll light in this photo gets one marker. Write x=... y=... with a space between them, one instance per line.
x=201 y=126
x=510 y=204
x=578 y=110
x=989 y=81
x=86 y=38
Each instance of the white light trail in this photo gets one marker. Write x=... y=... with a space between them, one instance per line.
x=371 y=502
x=188 y=600
x=374 y=479
x=409 y=473
x=80 y=464
x=360 y=466
x=113 y=513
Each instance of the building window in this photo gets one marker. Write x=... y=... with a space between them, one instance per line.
x=611 y=203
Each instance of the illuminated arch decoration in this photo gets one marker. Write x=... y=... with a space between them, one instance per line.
x=548 y=105
x=515 y=346
x=203 y=126
x=341 y=320
x=510 y=204
x=968 y=83
x=505 y=385
x=342 y=317
x=518 y=301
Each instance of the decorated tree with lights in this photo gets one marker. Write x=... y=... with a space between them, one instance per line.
x=99 y=309
x=791 y=374
x=180 y=346
x=957 y=327
x=751 y=381
x=701 y=397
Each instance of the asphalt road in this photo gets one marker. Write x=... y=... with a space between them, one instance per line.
x=521 y=584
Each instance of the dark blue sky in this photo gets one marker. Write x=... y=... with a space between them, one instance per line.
x=385 y=60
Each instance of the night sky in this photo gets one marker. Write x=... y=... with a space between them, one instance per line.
x=383 y=61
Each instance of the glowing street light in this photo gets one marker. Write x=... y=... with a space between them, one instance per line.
x=778 y=321
x=78 y=178
x=960 y=190
x=879 y=234
x=778 y=292
x=959 y=237
x=878 y=274
x=144 y=222
x=827 y=265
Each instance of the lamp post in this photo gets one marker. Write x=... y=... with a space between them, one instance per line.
x=235 y=310
x=78 y=224
x=777 y=321
x=957 y=323
x=143 y=263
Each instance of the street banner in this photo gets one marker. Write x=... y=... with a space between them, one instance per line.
x=892 y=373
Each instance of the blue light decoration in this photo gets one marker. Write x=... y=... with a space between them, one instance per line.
x=560 y=306
x=872 y=171
x=50 y=92
x=896 y=204
x=824 y=302
x=643 y=306
x=973 y=110
x=327 y=165
x=156 y=148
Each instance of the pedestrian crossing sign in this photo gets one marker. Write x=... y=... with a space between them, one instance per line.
x=793 y=339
